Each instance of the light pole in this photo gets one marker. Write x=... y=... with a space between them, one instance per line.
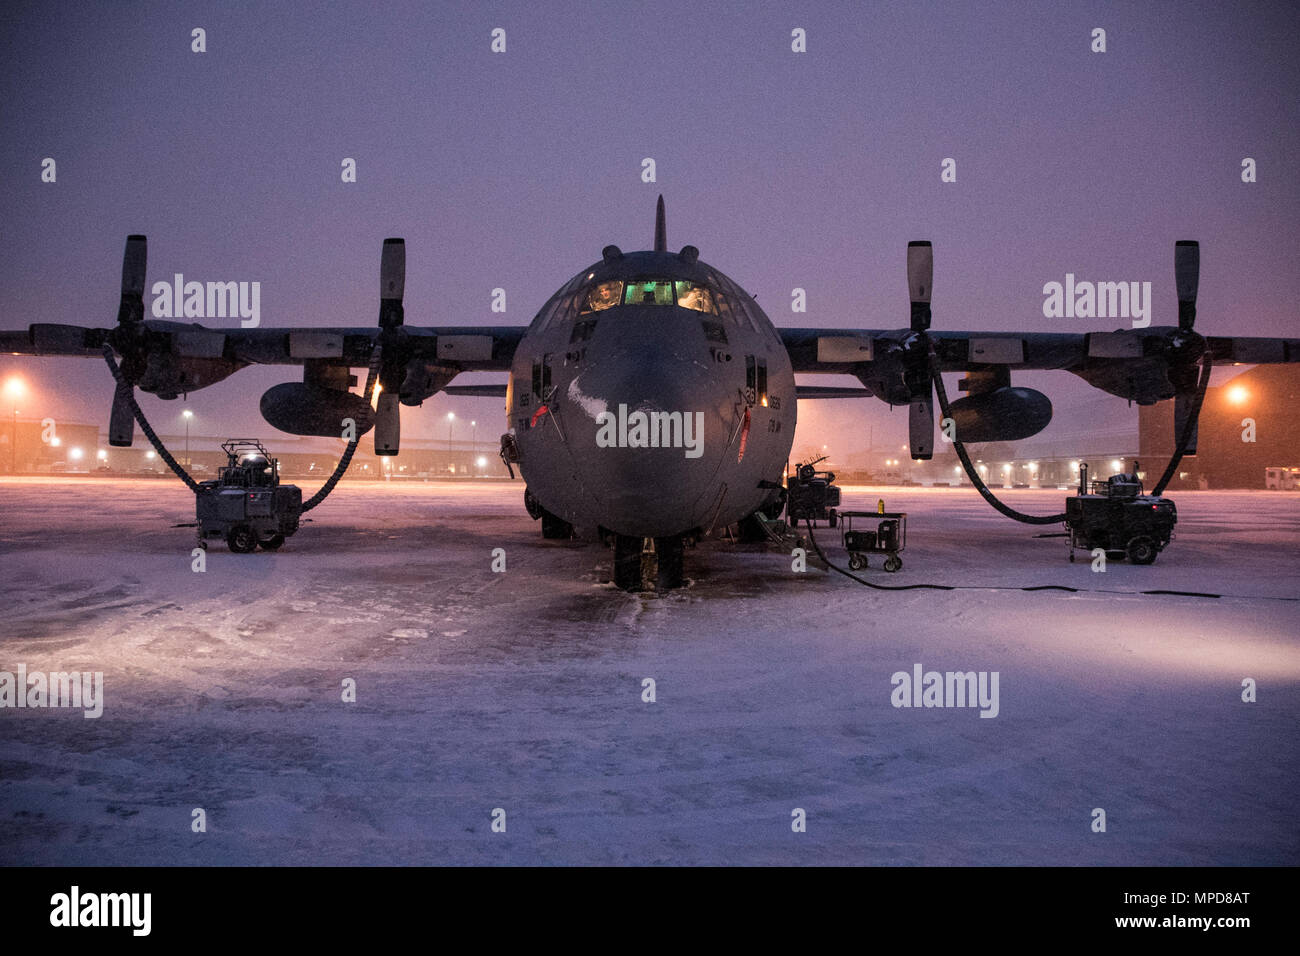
x=14 y=389
x=187 y=415
x=451 y=420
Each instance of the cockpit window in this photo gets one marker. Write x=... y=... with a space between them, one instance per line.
x=692 y=295
x=601 y=296
x=649 y=292
x=582 y=297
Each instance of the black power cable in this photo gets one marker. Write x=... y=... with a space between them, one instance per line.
x=346 y=458
x=1183 y=439
x=184 y=476
x=812 y=539
x=975 y=479
x=1188 y=427
x=129 y=393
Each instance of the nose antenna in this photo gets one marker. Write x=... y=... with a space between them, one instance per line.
x=661 y=230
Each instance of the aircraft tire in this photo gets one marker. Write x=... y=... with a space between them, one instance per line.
x=669 y=562
x=554 y=527
x=532 y=505
x=627 y=562
x=749 y=531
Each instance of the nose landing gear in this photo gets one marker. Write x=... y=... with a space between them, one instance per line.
x=635 y=563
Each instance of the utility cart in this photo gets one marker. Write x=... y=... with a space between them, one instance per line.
x=811 y=495
x=246 y=504
x=1118 y=518
x=889 y=537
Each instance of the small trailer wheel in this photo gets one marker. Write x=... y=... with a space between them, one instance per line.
x=893 y=563
x=241 y=539
x=857 y=562
x=1142 y=550
x=272 y=543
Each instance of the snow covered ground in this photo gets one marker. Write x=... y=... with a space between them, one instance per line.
x=523 y=691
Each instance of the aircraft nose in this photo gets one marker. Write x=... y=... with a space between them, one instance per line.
x=647 y=420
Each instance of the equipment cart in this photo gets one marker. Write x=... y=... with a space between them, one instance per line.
x=246 y=503
x=888 y=538
x=1118 y=518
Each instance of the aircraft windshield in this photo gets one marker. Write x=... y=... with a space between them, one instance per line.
x=688 y=295
x=599 y=296
x=649 y=292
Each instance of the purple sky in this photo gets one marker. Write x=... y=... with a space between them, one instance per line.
x=513 y=170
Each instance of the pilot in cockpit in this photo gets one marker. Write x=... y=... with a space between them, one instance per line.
x=603 y=295
x=695 y=297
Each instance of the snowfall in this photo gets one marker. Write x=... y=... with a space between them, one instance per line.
x=521 y=696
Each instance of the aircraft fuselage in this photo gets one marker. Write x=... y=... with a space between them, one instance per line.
x=651 y=397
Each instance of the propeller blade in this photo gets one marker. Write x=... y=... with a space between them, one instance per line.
x=1187 y=274
x=1183 y=403
x=392 y=286
x=920 y=272
x=920 y=427
x=134 y=259
x=392 y=282
x=388 y=424
x=121 y=423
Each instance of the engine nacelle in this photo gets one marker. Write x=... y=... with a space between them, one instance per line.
x=1004 y=414
x=423 y=380
x=170 y=376
x=301 y=409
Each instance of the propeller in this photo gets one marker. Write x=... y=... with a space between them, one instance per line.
x=1186 y=345
x=916 y=367
x=128 y=340
x=392 y=286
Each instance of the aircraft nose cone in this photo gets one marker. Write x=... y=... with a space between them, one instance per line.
x=646 y=421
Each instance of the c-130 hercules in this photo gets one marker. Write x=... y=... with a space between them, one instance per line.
x=651 y=397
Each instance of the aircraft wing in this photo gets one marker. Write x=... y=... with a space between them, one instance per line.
x=169 y=358
x=1126 y=363
x=1143 y=365
x=470 y=348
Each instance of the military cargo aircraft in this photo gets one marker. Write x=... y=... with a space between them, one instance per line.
x=650 y=399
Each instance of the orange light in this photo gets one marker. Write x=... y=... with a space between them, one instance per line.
x=15 y=387
x=1238 y=394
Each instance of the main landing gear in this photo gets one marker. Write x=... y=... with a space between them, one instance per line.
x=553 y=526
